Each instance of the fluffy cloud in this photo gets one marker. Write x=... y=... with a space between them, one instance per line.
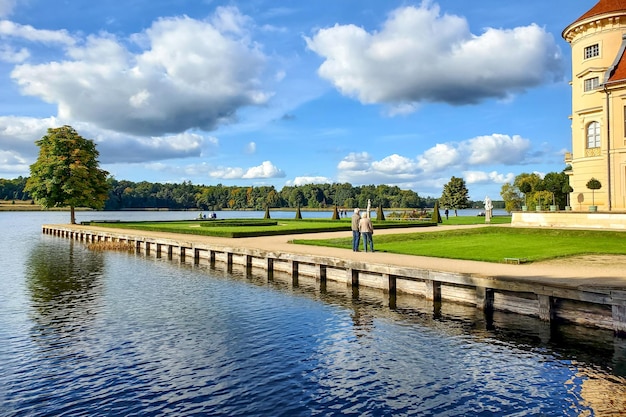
x=436 y=165
x=308 y=180
x=264 y=171
x=499 y=149
x=10 y=29
x=119 y=148
x=481 y=177
x=179 y=74
x=421 y=56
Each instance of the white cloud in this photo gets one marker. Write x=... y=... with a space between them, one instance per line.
x=19 y=134
x=118 y=147
x=497 y=149
x=434 y=167
x=439 y=157
x=419 y=55
x=359 y=168
x=10 y=29
x=308 y=180
x=355 y=162
x=481 y=177
x=264 y=171
x=12 y=164
x=13 y=55
x=395 y=165
x=227 y=173
x=187 y=74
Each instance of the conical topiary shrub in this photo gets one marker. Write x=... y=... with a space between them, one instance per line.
x=267 y=212
x=380 y=215
x=335 y=213
x=436 y=215
x=298 y=213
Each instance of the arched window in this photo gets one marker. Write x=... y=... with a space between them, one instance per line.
x=593 y=135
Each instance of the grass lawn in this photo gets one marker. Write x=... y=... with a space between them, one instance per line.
x=493 y=244
x=236 y=228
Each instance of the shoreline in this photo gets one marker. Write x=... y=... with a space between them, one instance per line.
x=591 y=295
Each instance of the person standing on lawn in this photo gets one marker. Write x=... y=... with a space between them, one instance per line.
x=367 y=231
x=356 y=234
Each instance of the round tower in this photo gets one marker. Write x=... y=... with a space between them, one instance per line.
x=597 y=39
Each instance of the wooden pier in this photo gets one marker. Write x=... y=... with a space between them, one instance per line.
x=600 y=307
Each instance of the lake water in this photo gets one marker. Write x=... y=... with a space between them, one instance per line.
x=87 y=333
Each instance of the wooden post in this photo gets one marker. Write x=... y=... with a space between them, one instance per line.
x=182 y=254
x=170 y=252
x=294 y=272
x=353 y=277
x=484 y=298
x=196 y=256
x=619 y=312
x=433 y=290
x=270 y=269
x=322 y=273
x=147 y=251
x=546 y=307
x=212 y=257
x=229 y=262
x=158 y=250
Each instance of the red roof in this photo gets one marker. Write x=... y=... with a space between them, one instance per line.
x=604 y=7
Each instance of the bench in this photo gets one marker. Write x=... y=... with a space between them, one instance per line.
x=515 y=260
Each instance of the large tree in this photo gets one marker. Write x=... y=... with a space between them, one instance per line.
x=67 y=172
x=455 y=194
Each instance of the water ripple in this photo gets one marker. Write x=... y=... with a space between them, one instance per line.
x=114 y=334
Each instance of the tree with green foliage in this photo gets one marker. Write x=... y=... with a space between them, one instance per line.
x=593 y=184
x=67 y=172
x=510 y=195
x=553 y=182
x=380 y=214
x=436 y=215
x=455 y=194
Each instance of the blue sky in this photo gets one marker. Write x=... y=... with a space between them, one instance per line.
x=272 y=92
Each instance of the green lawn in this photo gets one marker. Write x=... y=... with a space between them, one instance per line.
x=237 y=228
x=493 y=244
x=489 y=243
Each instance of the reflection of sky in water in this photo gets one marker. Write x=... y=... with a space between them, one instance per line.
x=88 y=332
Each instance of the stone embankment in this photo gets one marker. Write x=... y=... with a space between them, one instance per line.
x=587 y=294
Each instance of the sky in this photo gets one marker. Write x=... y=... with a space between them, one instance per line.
x=290 y=92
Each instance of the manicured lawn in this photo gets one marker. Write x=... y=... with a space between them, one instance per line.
x=461 y=220
x=493 y=244
x=254 y=227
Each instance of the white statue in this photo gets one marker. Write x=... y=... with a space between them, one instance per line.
x=488 y=209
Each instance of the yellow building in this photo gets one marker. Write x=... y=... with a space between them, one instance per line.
x=598 y=41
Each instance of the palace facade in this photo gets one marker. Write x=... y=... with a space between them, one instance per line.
x=598 y=42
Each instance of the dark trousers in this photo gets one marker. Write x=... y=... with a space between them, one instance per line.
x=368 y=240
x=356 y=239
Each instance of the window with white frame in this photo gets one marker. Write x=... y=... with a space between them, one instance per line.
x=593 y=135
x=592 y=51
x=592 y=83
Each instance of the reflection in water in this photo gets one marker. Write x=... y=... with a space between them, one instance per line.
x=113 y=334
x=64 y=285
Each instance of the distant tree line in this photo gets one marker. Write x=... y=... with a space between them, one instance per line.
x=125 y=195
